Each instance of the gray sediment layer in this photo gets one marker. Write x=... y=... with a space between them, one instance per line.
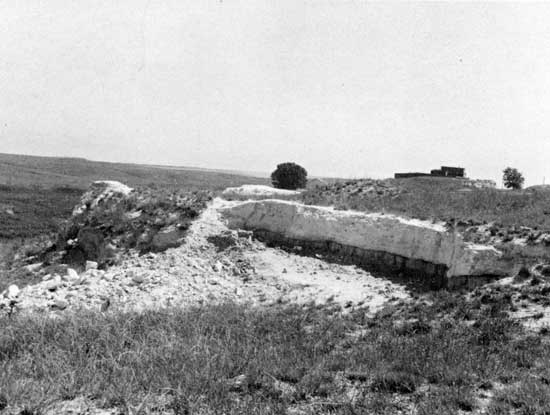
x=424 y=274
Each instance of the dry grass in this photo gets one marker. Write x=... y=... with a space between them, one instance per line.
x=32 y=211
x=444 y=199
x=48 y=172
x=439 y=355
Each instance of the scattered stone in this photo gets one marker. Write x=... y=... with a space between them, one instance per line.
x=11 y=294
x=72 y=275
x=91 y=265
x=12 y=291
x=238 y=383
x=78 y=405
x=54 y=283
x=33 y=267
x=241 y=233
x=285 y=390
x=60 y=269
x=218 y=267
x=81 y=281
x=138 y=278
x=60 y=304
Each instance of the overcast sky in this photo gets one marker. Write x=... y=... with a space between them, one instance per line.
x=344 y=88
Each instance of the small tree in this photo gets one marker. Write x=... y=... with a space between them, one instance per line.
x=289 y=176
x=512 y=178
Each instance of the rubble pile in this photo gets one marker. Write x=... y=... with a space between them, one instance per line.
x=213 y=265
x=113 y=218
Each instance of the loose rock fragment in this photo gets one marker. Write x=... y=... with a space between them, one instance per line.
x=138 y=278
x=91 y=265
x=60 y=304
x=54 y=283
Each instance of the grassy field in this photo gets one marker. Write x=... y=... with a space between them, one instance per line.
x=48 y=172
x=37 y=193
x=32 y=211
x=442 y=199
x=443 y=354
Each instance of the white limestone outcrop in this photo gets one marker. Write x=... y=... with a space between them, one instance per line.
x=409 y=238
x=100 y=191
x=253 y=191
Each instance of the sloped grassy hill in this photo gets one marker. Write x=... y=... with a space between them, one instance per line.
x=438 y=199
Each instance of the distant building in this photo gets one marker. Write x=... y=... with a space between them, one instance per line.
x=445 y=171
x=452 y=171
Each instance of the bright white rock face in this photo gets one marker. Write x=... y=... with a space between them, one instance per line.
x=12 y=292
x=410 y=238
x=253 y=191
x=101 y=191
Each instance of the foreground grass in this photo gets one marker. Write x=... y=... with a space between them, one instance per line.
x=441 y=354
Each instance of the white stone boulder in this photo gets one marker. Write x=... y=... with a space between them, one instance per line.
x=9 y=297
x=91 y=265
x=100 y=191
x=54 y=283
x=11 y=293
x=72 y=274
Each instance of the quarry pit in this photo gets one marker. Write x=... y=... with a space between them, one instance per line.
x=417 y=249
x=287 y=252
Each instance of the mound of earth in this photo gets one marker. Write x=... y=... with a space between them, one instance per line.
x=113 y=218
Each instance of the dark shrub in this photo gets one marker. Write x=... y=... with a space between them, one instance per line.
x=512 y=178
x=289 y=176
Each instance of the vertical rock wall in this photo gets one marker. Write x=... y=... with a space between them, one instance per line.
x=376 y=241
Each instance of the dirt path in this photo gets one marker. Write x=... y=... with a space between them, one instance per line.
x=214 y=265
